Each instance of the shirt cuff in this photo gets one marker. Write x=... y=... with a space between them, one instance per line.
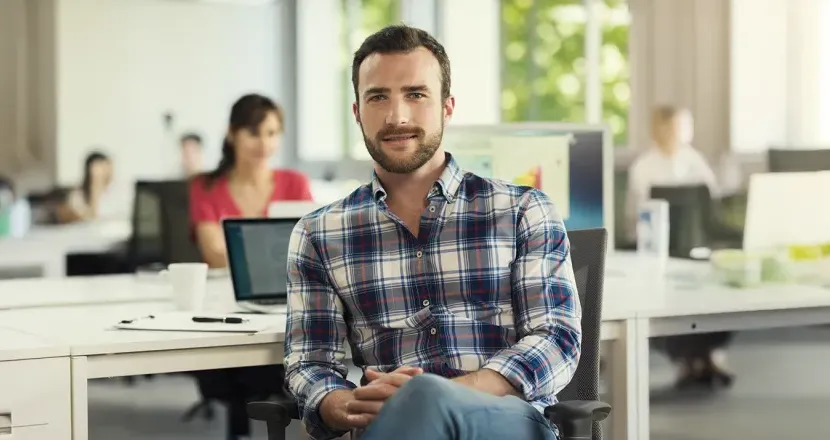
x=514 y=368
x=315 y=426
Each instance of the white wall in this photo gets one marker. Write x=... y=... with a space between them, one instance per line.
x=780 y=74
x=123 y=64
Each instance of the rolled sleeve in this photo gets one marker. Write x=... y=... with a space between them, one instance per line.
x=315 y=333
x=546 y=305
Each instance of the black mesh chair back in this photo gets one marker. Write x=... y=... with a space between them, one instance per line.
x=145 y=243
x=690 y=211
x=788 y=160
x=588 y=248
x=178 y=245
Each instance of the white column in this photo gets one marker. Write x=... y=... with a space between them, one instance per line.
x=593 y=64
x=469 y=30
x=805 y=52
x=824 y=73
x=319 y=80
x=422 y=14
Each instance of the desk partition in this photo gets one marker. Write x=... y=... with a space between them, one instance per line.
x=572 y=163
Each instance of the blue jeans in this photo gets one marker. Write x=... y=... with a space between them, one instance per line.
x=431 y=407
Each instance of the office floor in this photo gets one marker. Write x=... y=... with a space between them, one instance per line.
x=780 y=393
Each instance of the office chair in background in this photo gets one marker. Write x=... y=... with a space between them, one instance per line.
x=783 y=160
x=579 y=411
x=696 y=220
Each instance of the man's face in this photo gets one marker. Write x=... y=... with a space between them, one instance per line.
x=400 y=110
x=192 y=156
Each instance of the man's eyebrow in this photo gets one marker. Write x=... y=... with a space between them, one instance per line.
x=418 y=88
x=376 y=91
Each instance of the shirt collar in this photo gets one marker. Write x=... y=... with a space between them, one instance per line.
x=447 y=185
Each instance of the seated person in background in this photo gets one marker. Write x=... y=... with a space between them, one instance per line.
x=89 y=201
x=673 y=161
x=191 y=150
x=243 y=185
x=456 y=292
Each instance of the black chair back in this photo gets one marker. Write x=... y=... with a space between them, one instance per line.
x=178 y=245
x=792 y=160
x=690 y=217
x=146 y=245
x=588 y=248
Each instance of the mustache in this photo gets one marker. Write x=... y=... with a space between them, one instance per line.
x=392 y=130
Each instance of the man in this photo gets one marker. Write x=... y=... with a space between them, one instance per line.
x=192 y=161
x=456 y=292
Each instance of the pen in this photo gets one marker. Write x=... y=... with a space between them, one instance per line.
x=228 y=320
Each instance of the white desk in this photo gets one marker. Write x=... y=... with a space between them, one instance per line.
x=686 y=302
x=34 y=387
x=95 y=350
x=46 y=247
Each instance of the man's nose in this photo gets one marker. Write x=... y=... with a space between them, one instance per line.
x=398 y=113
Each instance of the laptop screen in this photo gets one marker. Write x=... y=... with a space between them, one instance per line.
x=257 y=256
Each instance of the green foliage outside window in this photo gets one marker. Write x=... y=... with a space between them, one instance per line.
x=543 y=56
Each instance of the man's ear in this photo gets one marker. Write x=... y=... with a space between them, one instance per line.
x=449 y=108
x=356 y=112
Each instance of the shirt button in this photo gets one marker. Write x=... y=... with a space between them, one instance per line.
x=419 y=254
x=432 y=209
x=433 y=331
x=426 y=302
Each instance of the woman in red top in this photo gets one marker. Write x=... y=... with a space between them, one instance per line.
x=243 y=185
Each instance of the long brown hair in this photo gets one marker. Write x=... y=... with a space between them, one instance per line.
x=247 y=113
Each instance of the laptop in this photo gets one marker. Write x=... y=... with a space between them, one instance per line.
x=257 y=259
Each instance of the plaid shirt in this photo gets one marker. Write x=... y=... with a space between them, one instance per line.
x=487 y=283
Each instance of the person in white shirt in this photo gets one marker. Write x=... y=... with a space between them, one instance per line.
x=93 y=199
x=671 y=160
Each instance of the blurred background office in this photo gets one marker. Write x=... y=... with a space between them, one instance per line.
x=112 y=111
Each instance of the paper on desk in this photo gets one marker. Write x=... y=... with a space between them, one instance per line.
x=183 y=322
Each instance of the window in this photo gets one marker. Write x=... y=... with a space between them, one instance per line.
x=361 y=18
x=561 y=58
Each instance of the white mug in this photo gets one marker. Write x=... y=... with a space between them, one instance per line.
x=189 y=283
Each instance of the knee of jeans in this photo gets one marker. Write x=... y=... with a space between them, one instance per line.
x=428 y=388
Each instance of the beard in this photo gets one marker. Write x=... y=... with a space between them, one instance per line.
x=427 y=146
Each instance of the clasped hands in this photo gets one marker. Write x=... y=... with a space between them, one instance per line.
x=350 y=409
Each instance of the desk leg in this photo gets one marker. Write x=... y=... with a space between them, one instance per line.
x=643 y=383
x=623 y=376
x=80 y=399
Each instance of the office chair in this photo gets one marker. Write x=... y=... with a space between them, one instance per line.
x=144 y=249
x=783 y=160
x=579 y=411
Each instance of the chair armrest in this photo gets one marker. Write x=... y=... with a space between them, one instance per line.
x=279 y=411
x=575 y=418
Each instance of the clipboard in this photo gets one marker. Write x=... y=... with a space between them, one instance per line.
x=183 y=322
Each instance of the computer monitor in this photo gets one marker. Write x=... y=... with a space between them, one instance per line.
x=257 y=257
x=588 y=190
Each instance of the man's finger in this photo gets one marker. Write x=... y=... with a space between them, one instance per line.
x=411 y=371
x=379 y=392
x=394 y=379
x=359 y=421
x=364 y=406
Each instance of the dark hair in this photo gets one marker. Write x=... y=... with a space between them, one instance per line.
x=190 y=137
x=401 y=38
x=86 y=185
x=247 y=113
